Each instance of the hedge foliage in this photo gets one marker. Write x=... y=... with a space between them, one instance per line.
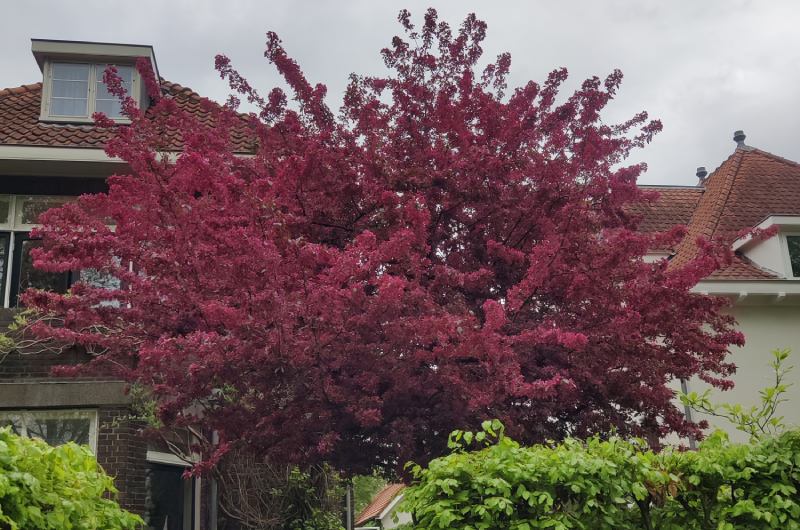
x=608 y=484
x=58 y=488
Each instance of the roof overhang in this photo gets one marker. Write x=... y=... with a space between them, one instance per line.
x=95 y=51
x=752 y=291
x=23 y=160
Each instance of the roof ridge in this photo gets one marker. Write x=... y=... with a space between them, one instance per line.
x=775 y=157
x=20 y=89
x=719 y=207
x=177 y=87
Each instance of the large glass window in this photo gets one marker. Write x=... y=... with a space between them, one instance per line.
x=794 y=254
x=77 y=90
x=56 y=427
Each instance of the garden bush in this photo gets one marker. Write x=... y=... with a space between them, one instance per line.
x=58 y=488
x=489 y=481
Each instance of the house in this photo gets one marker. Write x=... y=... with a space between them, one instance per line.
x=752 y=188
x=50 y=152
x=382 y=513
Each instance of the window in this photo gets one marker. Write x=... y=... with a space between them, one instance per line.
x=18 y=215
x=55 y=427
x=76 y=91
x=793 y=244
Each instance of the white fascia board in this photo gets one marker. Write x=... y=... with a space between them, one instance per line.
x=73 y=154
x=769 y=221
x=55 y=154
x=43 y=48
x=745 y=287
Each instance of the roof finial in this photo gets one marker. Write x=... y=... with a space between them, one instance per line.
x=701 y=175
x=739 y=137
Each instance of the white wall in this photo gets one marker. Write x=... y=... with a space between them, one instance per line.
x=766 y=327
x=402 y=518
x=769 y=254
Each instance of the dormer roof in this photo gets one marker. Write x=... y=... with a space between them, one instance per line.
x=108 y=52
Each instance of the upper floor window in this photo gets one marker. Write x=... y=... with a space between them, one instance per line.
x=75 y=91
x=793 y=245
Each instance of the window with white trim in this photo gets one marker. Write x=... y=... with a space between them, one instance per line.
x=18 y=215
x=792 y=255
x=56 y=426
x=75 y=91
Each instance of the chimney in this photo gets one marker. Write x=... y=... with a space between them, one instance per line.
x=739 y=137
x=701 y=175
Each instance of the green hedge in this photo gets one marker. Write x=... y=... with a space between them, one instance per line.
x=613 y=484
x=58 y=488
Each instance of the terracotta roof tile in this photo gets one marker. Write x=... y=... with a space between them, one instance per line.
x=674 y=206
x=379 y=503
x=20 y=125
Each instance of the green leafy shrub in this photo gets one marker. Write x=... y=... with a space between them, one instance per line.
x=58 y=488
x=607 y=484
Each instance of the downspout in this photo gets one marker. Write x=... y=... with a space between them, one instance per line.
x=687 y=411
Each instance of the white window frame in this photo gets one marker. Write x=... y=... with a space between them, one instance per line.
x=14 y=226
x=787 y=259
x=24 y=415
x=96 y=70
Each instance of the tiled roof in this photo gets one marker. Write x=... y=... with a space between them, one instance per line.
x=674 y=206
x=746 y=188
x=379 y=503
x=20 y=125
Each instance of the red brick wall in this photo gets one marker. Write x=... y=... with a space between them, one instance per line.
x=122 y=452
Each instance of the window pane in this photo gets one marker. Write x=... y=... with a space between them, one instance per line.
x=100 y=280
x=71 y=72
x=32 y=278
x=110 y=107
x=794 y=254
x=69 y=90
x=13 y=421
x=105 y=102
x=57 y=431
x=3 y=257
x=68 y=107
x=5 y=209
x=29 y=208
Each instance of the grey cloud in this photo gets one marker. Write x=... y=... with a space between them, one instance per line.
x=704 y=68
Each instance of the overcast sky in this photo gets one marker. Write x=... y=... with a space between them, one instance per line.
x=705 y=68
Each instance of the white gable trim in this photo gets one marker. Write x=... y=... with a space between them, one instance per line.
x=386 y=511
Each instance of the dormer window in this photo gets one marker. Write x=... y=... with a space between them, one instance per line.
x=793 y=246
x=75 y=91
x=72 y=74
